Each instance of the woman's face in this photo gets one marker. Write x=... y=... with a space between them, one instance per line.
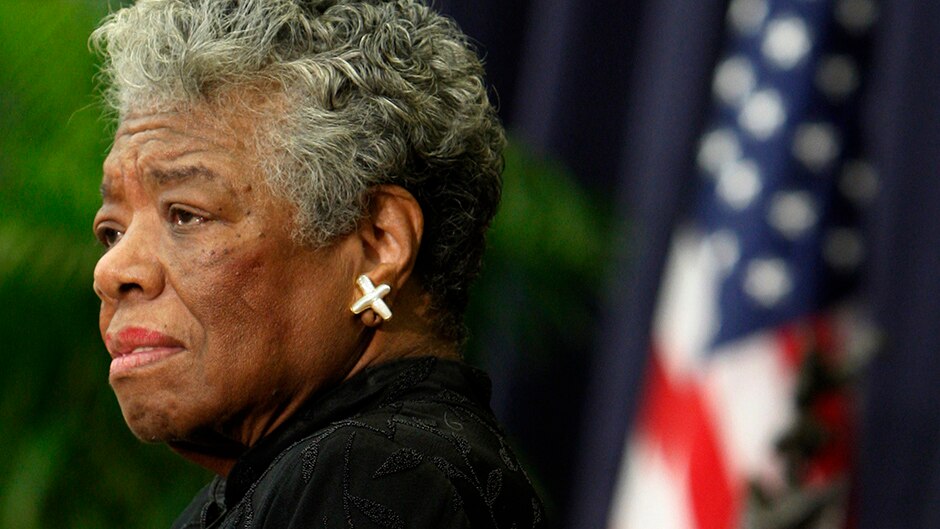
x=217 y=322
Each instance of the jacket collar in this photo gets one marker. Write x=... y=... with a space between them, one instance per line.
x=374 y=388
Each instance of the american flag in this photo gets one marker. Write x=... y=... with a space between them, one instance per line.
x=745 y=419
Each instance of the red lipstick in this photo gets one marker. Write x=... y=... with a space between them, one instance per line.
x=134 y=347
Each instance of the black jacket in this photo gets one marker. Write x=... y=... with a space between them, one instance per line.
x=408 y=444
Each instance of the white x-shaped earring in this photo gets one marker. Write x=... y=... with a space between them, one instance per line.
x=372 y=298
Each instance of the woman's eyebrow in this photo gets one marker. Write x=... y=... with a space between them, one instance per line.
x=164 y=176
x=174 y=175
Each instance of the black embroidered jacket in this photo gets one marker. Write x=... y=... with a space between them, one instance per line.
x=408 y=444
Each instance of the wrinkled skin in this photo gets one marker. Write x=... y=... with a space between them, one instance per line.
x=200 y=252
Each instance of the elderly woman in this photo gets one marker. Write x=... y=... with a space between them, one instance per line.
x=285 y=177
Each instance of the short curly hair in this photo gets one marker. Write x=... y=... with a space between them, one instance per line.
x=377 y=92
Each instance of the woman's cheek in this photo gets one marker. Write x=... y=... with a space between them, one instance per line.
x=229 y=275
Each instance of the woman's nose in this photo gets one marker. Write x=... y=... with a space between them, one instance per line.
x=130 y=268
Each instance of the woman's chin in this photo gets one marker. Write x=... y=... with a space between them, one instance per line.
x=152 y=427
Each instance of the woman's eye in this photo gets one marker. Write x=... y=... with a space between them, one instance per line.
x=109 y=236
x=182 y=217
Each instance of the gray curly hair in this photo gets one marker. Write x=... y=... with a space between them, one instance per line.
x=377 y=92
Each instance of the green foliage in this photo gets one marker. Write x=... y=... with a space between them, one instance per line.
x=69 y=459
x=546 y=216
x=533 y=311
x=547 y=250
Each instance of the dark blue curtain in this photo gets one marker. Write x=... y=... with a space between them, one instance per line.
x=616 y=90
x=899 y=474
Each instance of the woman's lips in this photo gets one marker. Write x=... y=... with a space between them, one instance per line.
x=141 y=357
x=134 y=347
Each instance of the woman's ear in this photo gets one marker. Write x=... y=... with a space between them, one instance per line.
x=391 y=235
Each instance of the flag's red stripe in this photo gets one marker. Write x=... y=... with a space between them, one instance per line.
x=675 y=419
x=668 y=414
x=714 y=500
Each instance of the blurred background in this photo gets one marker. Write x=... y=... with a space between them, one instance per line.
x=808 y=131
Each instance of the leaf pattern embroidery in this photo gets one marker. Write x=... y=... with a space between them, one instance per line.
x=494 y=484
x=400 y=460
